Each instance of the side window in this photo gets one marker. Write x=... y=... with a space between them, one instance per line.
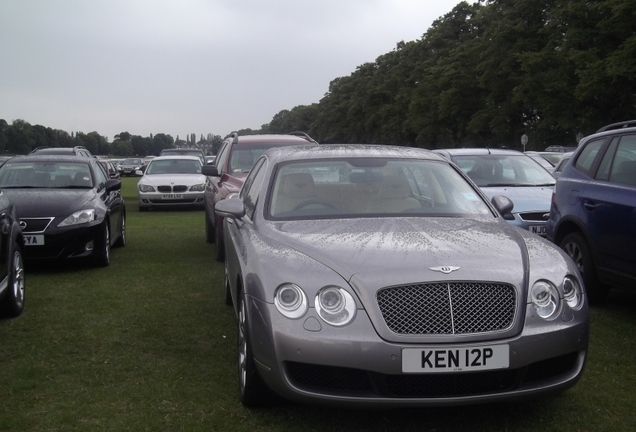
x=250 y=191
x=606 y=163
x=624 y=166
x=222 y=157
x=101 y=175
x=586 y=159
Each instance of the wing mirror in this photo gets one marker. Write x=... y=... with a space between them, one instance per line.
x=504 y=206
x=233 y=208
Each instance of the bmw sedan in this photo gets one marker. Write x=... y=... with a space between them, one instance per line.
x=382 y=276
x=67 y=206
x=171 y=181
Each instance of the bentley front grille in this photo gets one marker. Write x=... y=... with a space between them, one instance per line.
x=446 y=308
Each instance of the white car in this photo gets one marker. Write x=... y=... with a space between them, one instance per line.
x=171 y=181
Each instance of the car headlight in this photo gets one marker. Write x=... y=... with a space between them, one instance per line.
x=572 y=292
x=335 y=306
x=291 y=301
x=197 y=188
x=146 y=188
x=79 y=217
x=545 y=299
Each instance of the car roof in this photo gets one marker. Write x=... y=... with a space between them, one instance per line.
x=176 y=157
x=477 y=151
x=280 y=139
x=51 y=158
x=278 y=154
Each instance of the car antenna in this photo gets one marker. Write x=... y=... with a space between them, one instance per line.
x=484 y=142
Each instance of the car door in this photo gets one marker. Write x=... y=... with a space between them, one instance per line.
x=238 y=233
x=609 y=201
x=112 y=200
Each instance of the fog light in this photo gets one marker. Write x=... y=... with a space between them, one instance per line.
x=90 y=246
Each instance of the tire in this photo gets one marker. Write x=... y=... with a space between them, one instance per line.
x=209 y=228
x=102 y=257
x=219 y=249
x=12 y=304
x=121 y=241
x=576 y=247
x=253 y=392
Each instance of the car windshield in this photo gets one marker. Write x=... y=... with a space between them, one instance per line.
x=242 y=160
x=131 y=162
x=356 y=187
x=174 y=166
x=503 y=170
x=45 y=175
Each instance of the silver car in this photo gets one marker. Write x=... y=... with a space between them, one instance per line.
x=382 y=276
x=171 y=181
x=514 y=175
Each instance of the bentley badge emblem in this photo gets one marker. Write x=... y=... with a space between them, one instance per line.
x=444 y=269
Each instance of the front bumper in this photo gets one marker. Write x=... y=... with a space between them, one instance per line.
x=307 y=360
x=157 y=199
x=70 y=242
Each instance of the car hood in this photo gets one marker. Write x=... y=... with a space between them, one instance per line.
x=389 y=251
x=174 y=179
x=49 y=202
x=525 y=198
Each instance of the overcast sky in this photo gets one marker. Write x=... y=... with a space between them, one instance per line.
x=188 y=66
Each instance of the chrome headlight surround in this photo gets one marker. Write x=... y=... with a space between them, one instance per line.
x=545 y=299
x=146 y=188
x=572 y=292
x=197 y=188
x=79 y=217
x=335 y=306
x=291 y=301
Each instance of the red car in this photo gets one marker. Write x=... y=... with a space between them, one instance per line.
x=234 y=161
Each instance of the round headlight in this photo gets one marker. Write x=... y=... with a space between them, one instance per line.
x=335 y=306
x=545 y=299
x=291 y=301
x=572 y=292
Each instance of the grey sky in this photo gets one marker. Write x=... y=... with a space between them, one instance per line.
x=188 y=66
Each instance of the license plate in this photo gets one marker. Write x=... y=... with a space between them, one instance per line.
x=171 y=196
x=34 y=240
x=538 y=229
x=454 y=359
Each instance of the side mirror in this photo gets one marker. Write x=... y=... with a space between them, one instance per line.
x=210 y=170
x=233 y=208
x=113 y=185
x=139 y=172
x=504 y=206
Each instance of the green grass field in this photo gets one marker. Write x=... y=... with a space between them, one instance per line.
x=147 y=344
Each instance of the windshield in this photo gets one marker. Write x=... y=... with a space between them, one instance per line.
x=504 y=170
x=131 y=162
x=45 y=175
x=242 y=160
x=174 y=166
x=357 y=187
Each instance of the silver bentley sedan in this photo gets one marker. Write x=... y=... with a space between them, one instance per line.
x=382 y=276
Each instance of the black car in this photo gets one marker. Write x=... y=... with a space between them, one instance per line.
x=11 y=263
x=67 y=206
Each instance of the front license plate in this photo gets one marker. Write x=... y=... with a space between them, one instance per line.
x=538 y=229
x=34 y=240
x=171 y=196
x=453 y=359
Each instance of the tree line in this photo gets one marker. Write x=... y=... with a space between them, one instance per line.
x=20 y=137
x=485 y=74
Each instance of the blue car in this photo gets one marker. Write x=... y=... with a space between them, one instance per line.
x=512 y=174
x=593 y=212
